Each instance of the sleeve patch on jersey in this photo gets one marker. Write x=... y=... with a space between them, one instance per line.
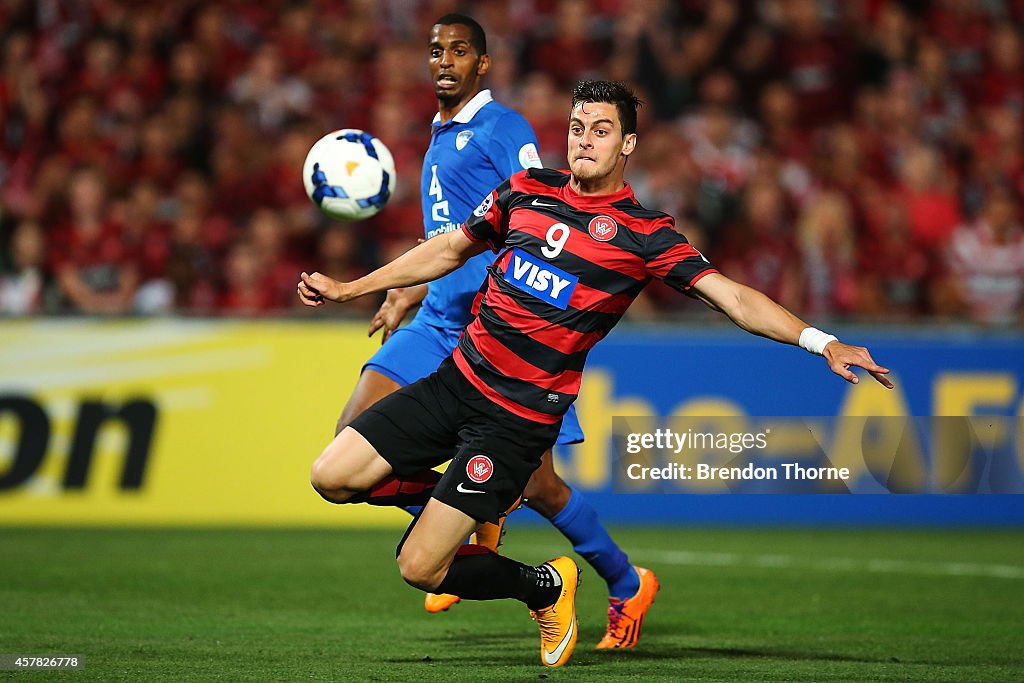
x=528 y=156
x=484 y=206
x=539 y=278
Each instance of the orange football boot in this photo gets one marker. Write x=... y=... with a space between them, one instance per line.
x=626 y=617
x=558 y=627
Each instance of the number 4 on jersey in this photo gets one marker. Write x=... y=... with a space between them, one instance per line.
x=439 y=211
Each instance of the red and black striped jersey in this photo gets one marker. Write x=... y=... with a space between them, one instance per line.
x=569 y=266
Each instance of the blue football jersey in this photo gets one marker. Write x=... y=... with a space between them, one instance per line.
x=469 y=156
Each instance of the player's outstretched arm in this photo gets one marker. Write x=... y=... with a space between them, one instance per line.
x=423 y=263
x=758 y=314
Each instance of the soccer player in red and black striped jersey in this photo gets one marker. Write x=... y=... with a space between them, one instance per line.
x=574 y=249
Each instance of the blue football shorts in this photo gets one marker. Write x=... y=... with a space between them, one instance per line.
x=417 y=349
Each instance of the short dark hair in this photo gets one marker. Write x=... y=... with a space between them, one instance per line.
x=610 y=92
x=477 y=37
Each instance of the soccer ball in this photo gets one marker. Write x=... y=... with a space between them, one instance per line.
x=349 y=174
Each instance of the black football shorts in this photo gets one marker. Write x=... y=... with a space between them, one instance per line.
x=495 y=451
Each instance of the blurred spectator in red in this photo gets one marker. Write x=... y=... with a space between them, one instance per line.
x=1003 y=79
x=403 y=133
x=721 y=146
x=663 y=173
x=996 y=155
x=963 y=28
x=245 y=289
x=296 y=36
x=826 y=239
x=189 y=72
x=901 y=124
x=94 y=268
x=25 y=111
x=888 y=46
x=941 y=103
x=285 y=173
x=146 y=73
x=81 y=142
x=102 y=75
x=147 y=237
x=792 y=176
x=567 y=46
x=338 y=256
x=187 y=118
x=543 y=105
x=402 y=220
x=759 y=250
x=648 y=50
x=23 y=279
x=270 y=95
x=869 y=128
x=753 y=65
x=339 y=87
x=842 y=168
x=266 y=234
x=817 y=63
x=288 y=194
x=986 y=262
x=928 y=193
x=220 y=44
x=894 y=272
x=357 y=31
x=158 y=160
x=503 y=80
x=193 y=195
x=239 y=164
x=199 y=236
x=192 y=266
x=723 y=19
x=779 y=117
x=394 y=77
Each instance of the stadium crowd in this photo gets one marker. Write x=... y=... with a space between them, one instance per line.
x=856 y=159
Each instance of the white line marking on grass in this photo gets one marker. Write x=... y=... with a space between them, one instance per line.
x=873 y=565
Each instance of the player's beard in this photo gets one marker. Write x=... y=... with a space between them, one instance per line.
x=449 y=98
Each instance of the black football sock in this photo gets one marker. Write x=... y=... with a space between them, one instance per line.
x=480 y=574
x=405 y=491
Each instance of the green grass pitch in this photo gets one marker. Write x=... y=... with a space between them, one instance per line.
x=735 y=605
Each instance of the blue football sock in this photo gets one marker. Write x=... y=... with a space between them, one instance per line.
x=579 y=523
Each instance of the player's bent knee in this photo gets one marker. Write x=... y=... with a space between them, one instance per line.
x=348 y=465
x=419 y=571
x=327 y=484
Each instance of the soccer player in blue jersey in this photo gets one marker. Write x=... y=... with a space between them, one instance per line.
x=475 y=144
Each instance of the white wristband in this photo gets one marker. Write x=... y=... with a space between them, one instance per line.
x=814 y=340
